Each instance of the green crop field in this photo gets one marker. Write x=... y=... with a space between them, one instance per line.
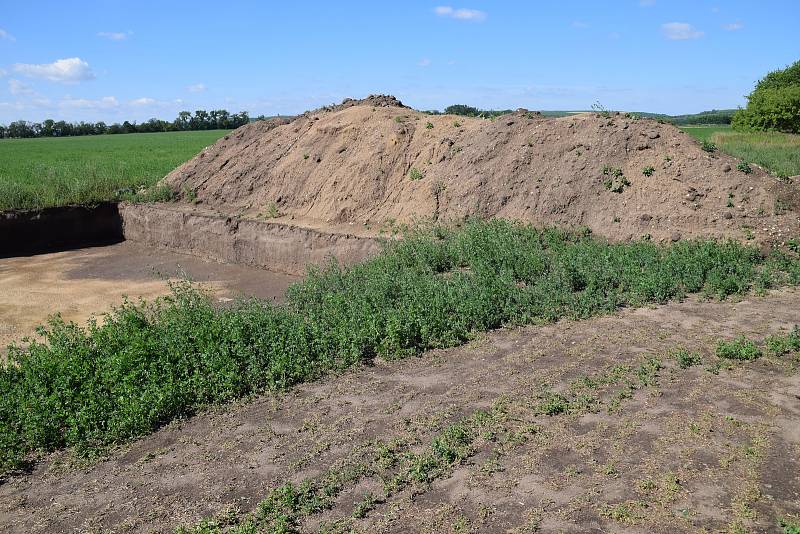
x=43 y=172
x=777 y=152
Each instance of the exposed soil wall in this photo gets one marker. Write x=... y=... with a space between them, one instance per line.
x=55 y=229
x=274 y=246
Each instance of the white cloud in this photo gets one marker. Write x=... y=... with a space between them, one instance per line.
x=734 y=26
x=144 y=101
x=18 y=88
x=68 y=70
x=115 y=36
x=107 y=102
x=460 y=13
x=3 y=73
x=425 y=62
x=7 y=36
x=680 y=31
x=197 y=88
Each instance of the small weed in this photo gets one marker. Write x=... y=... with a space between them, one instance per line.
x=272 y=211
x=622 y=513
x=554 y=404
x=687 y=359
x=615 y=180
x=305 y=156
x=667 y=159
x=646 y=485
x=364 y=506
x=648 y=171
x=601 y=110
x=457 y=124
x=740 y=348
x=708 y=146
x=415 y=174
x=398 y=119
x=744 y=167
x=429 y=125
x=190 y=195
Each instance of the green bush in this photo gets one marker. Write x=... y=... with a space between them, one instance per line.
x=772 y=110
x=740 y=348
x=150 y=363
x=774 y=104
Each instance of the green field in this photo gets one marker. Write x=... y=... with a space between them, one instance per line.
x=777 y=152
x=37 y=173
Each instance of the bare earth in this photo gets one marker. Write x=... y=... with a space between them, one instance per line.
x=691 y=450
x=85 y=282
x=375 y=162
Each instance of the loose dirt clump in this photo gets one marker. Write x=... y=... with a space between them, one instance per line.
x=375 y=161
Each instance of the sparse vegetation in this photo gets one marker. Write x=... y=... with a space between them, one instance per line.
x=648 y=171
x=147 y=364
x=415 y=174
x=744 y=167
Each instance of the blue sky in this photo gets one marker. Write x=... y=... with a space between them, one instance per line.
x=115 y=60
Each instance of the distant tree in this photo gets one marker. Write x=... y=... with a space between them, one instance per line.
x=461 y=109
x=774 y=104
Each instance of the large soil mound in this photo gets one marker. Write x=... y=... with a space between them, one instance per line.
x=375 y=161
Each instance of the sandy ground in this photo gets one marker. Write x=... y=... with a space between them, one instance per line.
x=690 y=451
x=83 y=282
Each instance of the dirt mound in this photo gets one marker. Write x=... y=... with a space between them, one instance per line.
x=374 y=161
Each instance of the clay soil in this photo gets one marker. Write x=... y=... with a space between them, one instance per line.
x=375 y=162
x=691 y=450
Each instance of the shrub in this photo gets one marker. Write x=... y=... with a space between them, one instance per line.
x=774 y=104
x=648 y=171
x=740 y=348
x=415 y=174
x=708 y=146
x=744 y=167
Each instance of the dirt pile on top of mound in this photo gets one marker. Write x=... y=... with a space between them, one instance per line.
x=375 y=161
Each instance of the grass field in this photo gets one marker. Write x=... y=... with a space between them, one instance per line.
x=37 y=173
x=777 y=152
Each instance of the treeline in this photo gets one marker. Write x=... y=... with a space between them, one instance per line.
x=715 y=116
x=185 y=121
